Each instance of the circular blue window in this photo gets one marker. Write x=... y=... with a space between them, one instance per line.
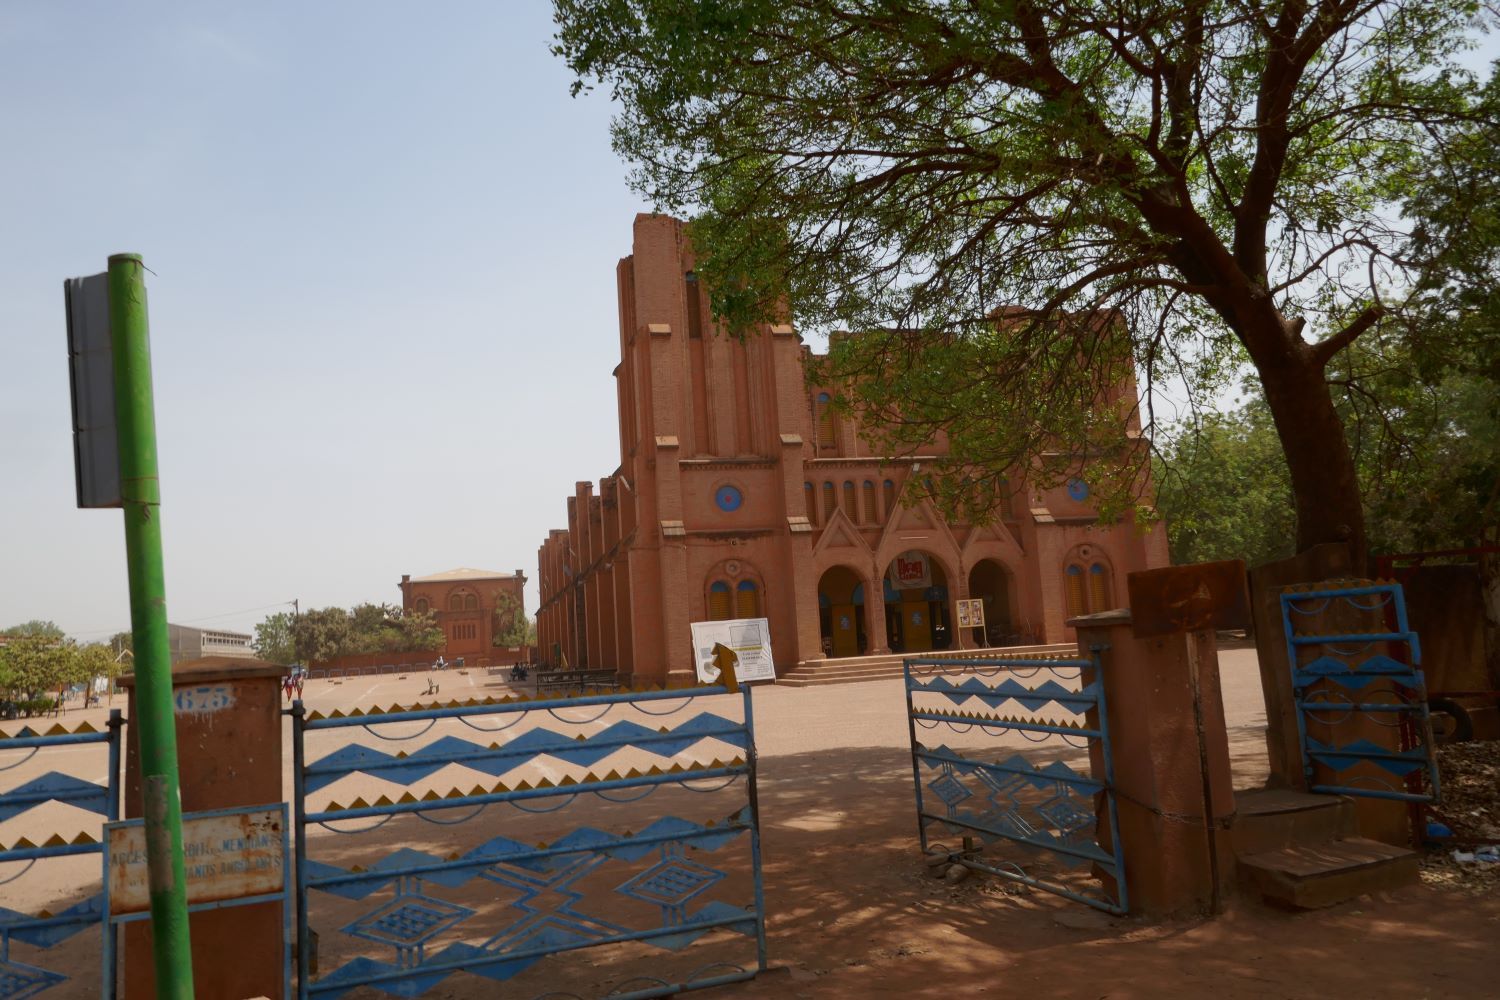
x=729 y=498
x=1078 y=489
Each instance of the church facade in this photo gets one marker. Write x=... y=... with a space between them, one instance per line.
x=741 y=494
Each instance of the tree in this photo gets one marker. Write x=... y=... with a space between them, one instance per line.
x=274 y=640
x=33 y=664
x=510 y=625
x=123 y=643
x=1222 y=177
x=35 y=627
x=320 y=634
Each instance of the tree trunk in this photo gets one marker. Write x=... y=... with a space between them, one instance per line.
x=1325 y=486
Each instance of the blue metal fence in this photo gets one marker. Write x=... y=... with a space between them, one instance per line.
x=21 y=856
x=501 y=902
x=1035 y=785
x=1355 y=676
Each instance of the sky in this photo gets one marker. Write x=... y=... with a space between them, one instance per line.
x=382 y=240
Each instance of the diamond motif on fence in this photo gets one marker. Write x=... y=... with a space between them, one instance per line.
x=1063 y=813
x=18 y=981
x=670 y=882
x=409 y=920
x=950 y=790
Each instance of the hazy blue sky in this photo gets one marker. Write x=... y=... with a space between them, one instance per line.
x=383 y=310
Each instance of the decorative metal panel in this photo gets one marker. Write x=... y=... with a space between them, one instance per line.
x=1361 y=698
x=535 y=840
x=25 y=855
x=1019 y=769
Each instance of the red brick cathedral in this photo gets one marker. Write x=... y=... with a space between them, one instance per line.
x=741 y=494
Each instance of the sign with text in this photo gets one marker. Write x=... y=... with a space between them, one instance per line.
x=228 y=854
x=971 y=613
x=911 y=571
x=750 y=638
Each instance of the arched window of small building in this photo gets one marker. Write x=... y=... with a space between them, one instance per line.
x=747 y=600
x=811 y=496
x=851 y=507
x=872 y=516
x=1099 y=589
x=827 y=423
x=420 y=605
x=718 y=601
x=890 y=499
x=1077 y=598
x=471 y=602
x=830 y=501
x=455 y=602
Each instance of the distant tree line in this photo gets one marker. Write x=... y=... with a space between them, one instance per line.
x=324 y=633
x=37 y=661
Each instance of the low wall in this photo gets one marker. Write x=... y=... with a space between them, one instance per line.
x=361 y=664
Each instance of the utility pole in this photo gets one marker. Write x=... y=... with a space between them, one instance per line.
x=140 y=497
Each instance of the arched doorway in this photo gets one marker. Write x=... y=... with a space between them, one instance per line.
x=991 y=582
x=841 y=612
x=916 y=604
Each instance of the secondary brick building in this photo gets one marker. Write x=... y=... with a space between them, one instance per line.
x=740 y=493
x=468 y=605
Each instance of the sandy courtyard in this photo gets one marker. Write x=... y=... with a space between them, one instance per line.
x=851 y=911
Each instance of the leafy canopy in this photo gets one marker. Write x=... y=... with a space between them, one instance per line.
x=1225 y=177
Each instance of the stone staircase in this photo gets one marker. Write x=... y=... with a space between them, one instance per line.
x=1304 y=850
x=854 y=669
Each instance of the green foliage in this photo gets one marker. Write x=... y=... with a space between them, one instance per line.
x=1219 y=178
x=36 y=628
x=34 y=664
x=510 y=625
x=367 y=628
x=274 y=640
x=123 y=642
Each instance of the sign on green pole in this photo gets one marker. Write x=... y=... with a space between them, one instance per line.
x=109 y=353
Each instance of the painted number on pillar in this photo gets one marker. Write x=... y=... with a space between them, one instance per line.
x=203 y=700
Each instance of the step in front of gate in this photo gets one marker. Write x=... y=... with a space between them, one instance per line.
x=1330 y=873
x=1272 y=819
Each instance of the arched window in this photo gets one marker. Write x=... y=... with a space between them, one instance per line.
x=1077 y=598
x=823 y=414
x=1099 y=595
x=890 y=499
x=455 y=602
x=471 y=602
x=718 y=601
x=812 y=502
x=747 y=600
x=420 y=605
x=830 y=501
x=851 y=507
x=871 y=515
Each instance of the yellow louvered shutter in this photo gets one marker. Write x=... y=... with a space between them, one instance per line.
x=1099 y=596
x=1073 y=578
x=747 y=601
x=718 y=602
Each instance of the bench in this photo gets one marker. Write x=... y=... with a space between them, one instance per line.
x=576 y=681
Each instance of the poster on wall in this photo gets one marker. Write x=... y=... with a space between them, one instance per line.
x=911 y=571
x=750 y=638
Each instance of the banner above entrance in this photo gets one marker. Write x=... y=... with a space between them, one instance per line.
x=911 y=571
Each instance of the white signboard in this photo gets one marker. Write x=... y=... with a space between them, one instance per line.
x=910 y=571
x=750 y=638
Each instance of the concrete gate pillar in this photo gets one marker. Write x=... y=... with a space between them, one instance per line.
x=1174 y=791
x=228 y=756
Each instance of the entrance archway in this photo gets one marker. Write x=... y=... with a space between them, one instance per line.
x=991 y=581
x=916 y=604
x=841 y=612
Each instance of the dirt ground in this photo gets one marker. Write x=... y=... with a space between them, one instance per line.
x=851 y=910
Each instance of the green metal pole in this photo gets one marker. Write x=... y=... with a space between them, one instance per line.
x=155 y=721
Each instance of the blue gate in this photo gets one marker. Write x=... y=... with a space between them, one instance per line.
x=490 y=882
x=1355 y=678
x=19 y=857
x=1035 y=785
